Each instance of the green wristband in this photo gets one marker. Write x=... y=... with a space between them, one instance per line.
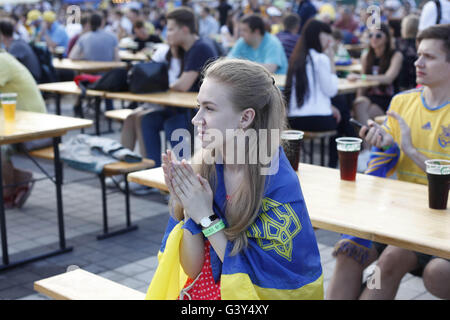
x=386 y=148
x=214 y=228
x=363 y=77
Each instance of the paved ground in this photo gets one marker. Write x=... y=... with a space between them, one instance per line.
x=129 y=259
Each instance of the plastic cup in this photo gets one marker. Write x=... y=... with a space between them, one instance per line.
x=348 y=151
x=9 y=105
x=59 y=52
x=438 y=173
x=292 y=141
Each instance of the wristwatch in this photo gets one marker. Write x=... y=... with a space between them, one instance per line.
x=205 y=222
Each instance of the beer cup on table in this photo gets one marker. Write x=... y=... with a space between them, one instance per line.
x=348 y=151
x=8 y=101
x=438 y=174
x=292 y=141
x=59 y=52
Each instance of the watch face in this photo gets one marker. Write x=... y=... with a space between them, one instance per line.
x=205 y=222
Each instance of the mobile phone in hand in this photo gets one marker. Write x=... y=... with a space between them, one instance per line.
x=356 y=125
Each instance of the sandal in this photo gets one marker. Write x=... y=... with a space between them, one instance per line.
x=22 y=194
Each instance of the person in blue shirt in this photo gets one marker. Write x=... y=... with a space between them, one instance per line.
x=181 y=32
x=53 y=32
x=259 y=46
x=306 y=10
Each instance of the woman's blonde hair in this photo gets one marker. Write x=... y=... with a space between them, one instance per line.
x=410 y=26
x=250 y=86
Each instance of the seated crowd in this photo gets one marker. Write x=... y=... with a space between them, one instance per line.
x=229 y=54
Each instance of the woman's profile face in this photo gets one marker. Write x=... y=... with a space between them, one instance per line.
x=215 y=114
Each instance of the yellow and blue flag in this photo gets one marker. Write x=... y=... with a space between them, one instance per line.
x=282 y=260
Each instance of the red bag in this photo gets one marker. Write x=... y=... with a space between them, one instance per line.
x=85 y=79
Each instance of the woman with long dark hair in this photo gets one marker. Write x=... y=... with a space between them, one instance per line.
x=381 y=63
x=311 y=80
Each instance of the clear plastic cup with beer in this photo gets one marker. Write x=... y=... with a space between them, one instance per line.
x=348 y=151
x=292 y=141
x=438 y=174
x=8 y=101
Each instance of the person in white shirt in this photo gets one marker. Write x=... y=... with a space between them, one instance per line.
x=429 y=14
x=207 y=24
x=311 y=81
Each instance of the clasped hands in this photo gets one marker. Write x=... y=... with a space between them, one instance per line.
x=191 y=190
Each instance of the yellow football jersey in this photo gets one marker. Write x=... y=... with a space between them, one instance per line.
x=430 y=131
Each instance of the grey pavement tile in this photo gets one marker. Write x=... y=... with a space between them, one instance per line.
x=132 y=283
x=113 y=275
x=145 y=277
x=131 y=269
x=15 y=292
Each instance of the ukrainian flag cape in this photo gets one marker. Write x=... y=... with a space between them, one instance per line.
x=282 y=260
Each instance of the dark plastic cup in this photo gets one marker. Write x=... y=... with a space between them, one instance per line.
x=292 y=142
x=438 y=173
x=348 y=151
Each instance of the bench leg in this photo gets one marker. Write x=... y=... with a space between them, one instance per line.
x=106 y=234
x=311 y=151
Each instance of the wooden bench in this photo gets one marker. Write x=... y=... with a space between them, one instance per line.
x=83 y=285
x=111 y=169
x=119 y=114
x=322 y=135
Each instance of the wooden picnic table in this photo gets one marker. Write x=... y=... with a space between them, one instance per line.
x=167 y=98
x=344 y=85
x=87 y=66
x=379 y=209
x=127 y=55
x=31 y=126
x=356 y=47
x=355 y=67
x=70 y=87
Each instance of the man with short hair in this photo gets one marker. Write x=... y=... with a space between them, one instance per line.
x=182 y=37
x=417 y=129
x=260 y=46
x=53 y=32
x=207 y=24
x=97 y=44
x=142 y=36
x=19 y=49
x=289 y=36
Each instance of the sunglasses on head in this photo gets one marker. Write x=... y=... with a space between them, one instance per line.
x=377 y=35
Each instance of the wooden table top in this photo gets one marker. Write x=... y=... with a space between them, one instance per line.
x=87 y=66
x=31 y=125
x=127 y=55
x=356 y=47
x=383 y=210
x=67 y=87
x=355 y=67
x=344 y=86
x=169 y=98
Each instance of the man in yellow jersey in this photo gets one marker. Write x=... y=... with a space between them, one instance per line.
x=417 y=128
